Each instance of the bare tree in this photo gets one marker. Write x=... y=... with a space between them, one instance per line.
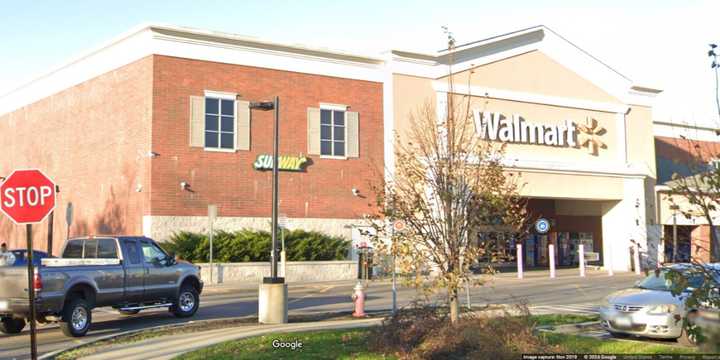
x=448 y=184
x=697 y=194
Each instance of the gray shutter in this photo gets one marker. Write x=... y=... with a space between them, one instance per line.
x=313 y=134
x=197 y=121
x=242 y=111
x=352 y=140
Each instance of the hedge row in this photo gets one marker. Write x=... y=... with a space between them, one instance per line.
x=251 y=245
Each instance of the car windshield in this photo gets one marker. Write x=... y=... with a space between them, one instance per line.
x=660 y=282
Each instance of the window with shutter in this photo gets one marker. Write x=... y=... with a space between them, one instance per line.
x=219 y=123
x=333 y=131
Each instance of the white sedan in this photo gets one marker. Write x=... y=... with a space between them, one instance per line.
x=650 y=310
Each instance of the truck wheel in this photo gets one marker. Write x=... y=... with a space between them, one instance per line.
x=187 y=303
x=10 y=325
x=76 y=318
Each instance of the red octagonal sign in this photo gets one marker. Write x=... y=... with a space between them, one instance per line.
x=27 y=196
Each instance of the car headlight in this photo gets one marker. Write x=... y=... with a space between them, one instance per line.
x=662 y=309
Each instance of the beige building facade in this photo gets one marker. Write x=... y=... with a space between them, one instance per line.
x=578 y=132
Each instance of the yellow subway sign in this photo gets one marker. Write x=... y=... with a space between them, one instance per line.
x=287 y=162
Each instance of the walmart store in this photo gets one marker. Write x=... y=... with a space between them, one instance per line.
x=579 y=133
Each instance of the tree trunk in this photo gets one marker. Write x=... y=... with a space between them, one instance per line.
x=454 y=305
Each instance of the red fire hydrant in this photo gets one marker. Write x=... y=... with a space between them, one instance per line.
x=358 y=298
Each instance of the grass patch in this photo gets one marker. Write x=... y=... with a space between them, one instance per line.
x=328 y=344
x=562 y=319
x=183 y=328
x=588 y=345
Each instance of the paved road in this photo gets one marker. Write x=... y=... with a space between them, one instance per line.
x=566 y=294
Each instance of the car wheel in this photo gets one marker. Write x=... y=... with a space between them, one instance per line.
x=128 y=312
x=689 y=338
x=187 y=303
x=76 y=318
x=10 y=325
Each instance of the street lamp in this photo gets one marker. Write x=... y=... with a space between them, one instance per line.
x=267 y=106
x=273 y=290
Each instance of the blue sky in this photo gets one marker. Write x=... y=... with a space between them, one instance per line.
x=659 y=43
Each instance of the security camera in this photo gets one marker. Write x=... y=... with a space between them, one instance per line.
x=355 y=192
x=184 y=185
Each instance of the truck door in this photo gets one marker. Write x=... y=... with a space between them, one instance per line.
x=160 y=278
x=134 y=272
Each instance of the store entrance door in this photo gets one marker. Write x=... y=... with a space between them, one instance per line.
x=536 y=250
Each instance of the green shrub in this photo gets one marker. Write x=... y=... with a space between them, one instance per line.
x=253 y=245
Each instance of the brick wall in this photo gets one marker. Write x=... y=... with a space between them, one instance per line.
x=90 y=139
x=228 y=179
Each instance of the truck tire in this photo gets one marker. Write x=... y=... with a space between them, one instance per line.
x=10 y=325
x=76 y=318
x=187 y=303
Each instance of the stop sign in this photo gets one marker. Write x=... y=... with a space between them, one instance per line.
x=27 y=196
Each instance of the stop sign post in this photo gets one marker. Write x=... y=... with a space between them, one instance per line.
x=27 y=197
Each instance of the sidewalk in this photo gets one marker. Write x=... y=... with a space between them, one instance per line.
x=170 y=346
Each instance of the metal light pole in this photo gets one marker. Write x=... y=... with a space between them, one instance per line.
x=674 y=208
x=272 y=303
x=275 y=170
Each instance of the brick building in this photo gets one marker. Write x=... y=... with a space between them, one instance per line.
x=686 y=150
x=143 y=133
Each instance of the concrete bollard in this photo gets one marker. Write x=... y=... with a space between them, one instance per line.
x=519 y=261
x=358 y=298
x=551 y=249
x=581 y=254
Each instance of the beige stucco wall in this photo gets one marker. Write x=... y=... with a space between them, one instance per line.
x=640 y=140
x=534 y=72
x=571 y=186
x=410 y=94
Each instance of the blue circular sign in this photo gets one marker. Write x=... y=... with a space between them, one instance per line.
x=542 y=225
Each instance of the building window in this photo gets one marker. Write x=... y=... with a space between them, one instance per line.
x=332 y=132
x=219 y=123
